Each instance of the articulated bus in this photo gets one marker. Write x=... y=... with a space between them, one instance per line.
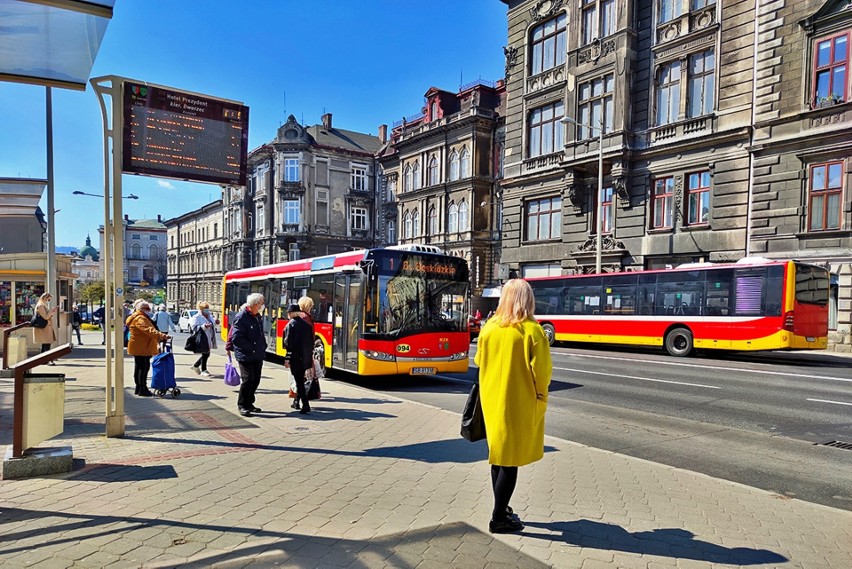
x=397 y=310
x=754 y=304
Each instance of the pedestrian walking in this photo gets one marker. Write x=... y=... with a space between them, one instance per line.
x=46 y=335
x=143 y=344
x=514 y=375
x=203 y=319
x=77 y=323
x=299 y=343
x=247 y=342
x=100 y=313
x=163 y=321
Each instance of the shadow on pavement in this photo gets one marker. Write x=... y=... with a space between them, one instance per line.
x=104 y=472
x=455 y=544
x=326 y=414
x=664 y=542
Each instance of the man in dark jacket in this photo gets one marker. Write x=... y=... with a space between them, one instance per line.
x=246 y=340
x=299 y=343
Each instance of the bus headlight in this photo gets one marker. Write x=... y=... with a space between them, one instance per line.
x=381 y=356
x=458 y=356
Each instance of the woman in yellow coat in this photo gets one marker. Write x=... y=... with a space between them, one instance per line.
x=514 y=374
x=143 y=343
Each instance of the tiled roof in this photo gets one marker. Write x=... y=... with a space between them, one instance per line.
x=346 y=139
x=145 y=224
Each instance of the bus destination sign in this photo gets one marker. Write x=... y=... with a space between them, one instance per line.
x=419 y=265
x=175 y=134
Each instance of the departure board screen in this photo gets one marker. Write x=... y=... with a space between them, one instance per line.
x=174 y=134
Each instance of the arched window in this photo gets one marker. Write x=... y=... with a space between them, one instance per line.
x=454 y=166
x=406 y=225
x=433 y=221
x=153 y=252
x=453 y=219
x=464 y=166
x=136 y=251
x=433 y=171
x=433 y=114
x=415 y=222
x=407 y=183
x=416 y=174
x=463 y=221
x=391 y=232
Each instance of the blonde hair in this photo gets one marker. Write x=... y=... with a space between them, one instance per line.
x=202 y=305
x=45 y=298
x=306 y=303
x=517 y=303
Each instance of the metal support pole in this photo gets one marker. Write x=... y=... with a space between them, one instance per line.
x=598 y=212
x=50 y=285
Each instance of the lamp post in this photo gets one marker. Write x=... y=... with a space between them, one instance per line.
x=597 y=201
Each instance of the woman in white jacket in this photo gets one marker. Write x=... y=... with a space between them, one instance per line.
x=204 y=320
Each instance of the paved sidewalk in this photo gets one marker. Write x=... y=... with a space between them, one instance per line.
x=367 y=480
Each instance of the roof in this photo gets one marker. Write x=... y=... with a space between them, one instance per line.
x=145 y=224
x=345 y=139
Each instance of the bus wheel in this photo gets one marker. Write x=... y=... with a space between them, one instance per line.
x=319 y=355
x=679 y=342
x=550 y=333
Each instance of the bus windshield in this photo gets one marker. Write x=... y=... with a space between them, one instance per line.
x=420 y=293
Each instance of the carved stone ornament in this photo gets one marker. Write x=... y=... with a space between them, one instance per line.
x=608 y=243
x=545 y=9
x=511 y=54
x=576 y=195
x=620 y=186
x=678 y=197
x=597 y=50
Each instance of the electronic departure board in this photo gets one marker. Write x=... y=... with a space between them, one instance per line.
x=175 y=134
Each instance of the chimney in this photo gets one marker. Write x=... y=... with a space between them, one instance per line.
x=159 y=219
x=126 y=217
x=326 y=121
x=383 y=133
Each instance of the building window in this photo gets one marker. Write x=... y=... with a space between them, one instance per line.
x=463 y=216
x=153 y=252
x=322 y=207
x=415 y=174
x=261 y=219
x=292 y=172
x=152 y=238
x=545 y=130
x=172 y=239
x=698 y=202
x=596 y=107
x=415 y=222
x=432 y=219
x=406 y=225
x=359 y=218
x=702 y=84
x=669 y=9
x=433 y=111
x=668 y=93
x=359 y=178
x=433 y=171
x=453 y=219
x=407 y=179
x=548 y=44
x=464 y=163
x=607 y=211
x=544 y=219
x=136 y=236
x=831 y=70
x=825 y=190
x=699 y=4
x=291 y=212
x=136 y=251
x=454 y=166
x=662 y=204
x=391 y=190
x=598 y=19
x=391 y=232
x=215 y=231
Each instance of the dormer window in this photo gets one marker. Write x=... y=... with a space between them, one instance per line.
x=433 y=111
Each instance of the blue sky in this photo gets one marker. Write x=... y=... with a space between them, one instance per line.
x=368 y=62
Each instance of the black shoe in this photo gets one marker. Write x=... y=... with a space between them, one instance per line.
x=146 y=394
x=245 y=412
x=507 y=525
x=256 y=410
x=304 y=410
x=511 y=513
x=103 y=343
x=295 y=404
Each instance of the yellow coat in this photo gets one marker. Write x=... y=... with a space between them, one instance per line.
x=514 y=375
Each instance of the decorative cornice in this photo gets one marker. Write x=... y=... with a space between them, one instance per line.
x=545 y=9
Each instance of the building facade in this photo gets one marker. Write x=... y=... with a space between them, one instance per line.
x=196 y=258
x=145 y=251
x=311 y=192
x=86 y=265
x=440 y=179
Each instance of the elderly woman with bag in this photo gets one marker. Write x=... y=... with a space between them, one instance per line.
x=46 y=334
x=205 y=321
x=514 y=374
x=143 y=344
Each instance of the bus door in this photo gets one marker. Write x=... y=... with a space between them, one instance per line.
x=347 y=321
x=272 y=298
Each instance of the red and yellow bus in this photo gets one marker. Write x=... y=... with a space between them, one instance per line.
x=748 y=305
x=397 y=310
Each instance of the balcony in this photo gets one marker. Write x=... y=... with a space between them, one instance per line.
x=291 y=188
x=688 y=128
x=545 y=161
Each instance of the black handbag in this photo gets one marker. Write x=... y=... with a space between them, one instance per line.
x=473 y=422
x=197 y=342
x=38 y=321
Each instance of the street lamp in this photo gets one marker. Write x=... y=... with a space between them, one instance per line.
x=597 y=201
x=79 y=193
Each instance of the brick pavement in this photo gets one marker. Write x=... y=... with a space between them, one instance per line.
x=367 y=481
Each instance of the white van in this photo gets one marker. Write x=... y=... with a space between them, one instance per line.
x=185 y=320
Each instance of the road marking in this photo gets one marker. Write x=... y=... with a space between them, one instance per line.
x=829 y=401
x=705 y=367
x=639 y=378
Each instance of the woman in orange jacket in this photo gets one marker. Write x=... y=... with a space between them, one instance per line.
x=144 y=341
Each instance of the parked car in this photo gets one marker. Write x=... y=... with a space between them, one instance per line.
x=185 y=320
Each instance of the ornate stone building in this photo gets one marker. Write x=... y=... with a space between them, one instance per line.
x=195 y=258
x=311 y=192
x=145 y=251
x=440 y=178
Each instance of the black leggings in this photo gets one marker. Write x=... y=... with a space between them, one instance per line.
x=44 y=348
x=202 y=361
x=503 y=481
x=141 y=367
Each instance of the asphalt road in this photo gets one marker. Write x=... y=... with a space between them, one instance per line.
x=756 y=419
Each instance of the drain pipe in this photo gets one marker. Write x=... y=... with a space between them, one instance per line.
x=750 y=204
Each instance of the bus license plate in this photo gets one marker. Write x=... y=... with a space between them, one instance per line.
x=810 y=339
x=423 y=371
